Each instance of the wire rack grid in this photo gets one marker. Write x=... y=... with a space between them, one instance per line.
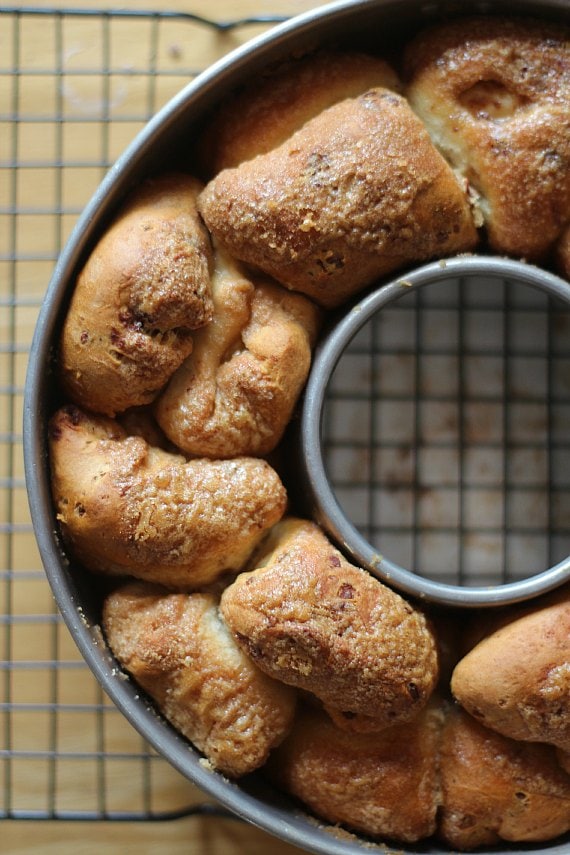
x=446 y=431
x=447 y=425
x=76 y=85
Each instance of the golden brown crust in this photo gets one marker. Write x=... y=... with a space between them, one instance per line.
x=308 y=617
x=517 y=679
x=356 y=193
x=181 y=653
x=236 y=392
x=127 y=508
x=496 y=789
x=144 y=288
x=495 y=97
x=266 y=112
x=382 y=784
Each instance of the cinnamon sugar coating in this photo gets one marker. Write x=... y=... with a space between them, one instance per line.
x=309 y=618
x=358 y=192
x=181 y=653
x=268 y=110
x=128 y=508
x=495 y=97
x=143 y=289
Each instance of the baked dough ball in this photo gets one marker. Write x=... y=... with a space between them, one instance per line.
x=309 y=618
x=517 y=679
x=357 y=192
x=142 y=291
x=128 y=508
x=382 y=784
x=181 y=653
x=495 y=97
x=267 y=111
x=496 y=789
x=236 y=392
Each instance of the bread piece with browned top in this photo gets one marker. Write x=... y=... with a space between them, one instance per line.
x=517 y=679
x=308 y=617
x=181 y=653
x=141 y=292
x=383 y=784
x=235 y=394
x=128 y=508
x=494 y=94
x=269 y=109
x=358 y=192
x=497 y=790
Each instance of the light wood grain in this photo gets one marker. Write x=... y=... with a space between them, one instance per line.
x=188 y=837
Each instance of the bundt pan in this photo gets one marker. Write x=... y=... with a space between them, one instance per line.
x=374 y=23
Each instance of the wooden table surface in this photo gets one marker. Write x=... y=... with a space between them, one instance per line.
x=73 y=92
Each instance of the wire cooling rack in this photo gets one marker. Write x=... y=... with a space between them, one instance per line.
x=76 y=85
x=447 y=427
x=447 y=431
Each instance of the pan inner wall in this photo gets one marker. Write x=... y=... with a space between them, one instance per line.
x=446 y=430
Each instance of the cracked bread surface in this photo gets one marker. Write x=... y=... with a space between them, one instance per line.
x=308 y=617
x=128 y=508
x=178 y=649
